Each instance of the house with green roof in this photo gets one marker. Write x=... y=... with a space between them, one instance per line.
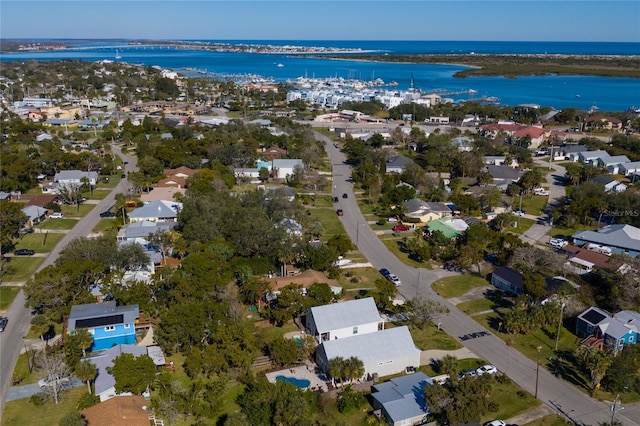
x=450 y=228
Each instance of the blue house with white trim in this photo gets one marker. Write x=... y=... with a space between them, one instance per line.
x=604 y=330
x=508 y=280
x=108 y=324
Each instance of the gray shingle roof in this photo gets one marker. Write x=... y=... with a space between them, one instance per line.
x=345 y=314
x=155 y=209
x=623 y=236
x=372 y=347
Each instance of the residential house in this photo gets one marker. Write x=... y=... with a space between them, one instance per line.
x=628 y=169
x=284 y=168
x=123 y=410
x=397 y=164
x=286 y=191
x=582 y=261
x=503 y=176
x=609 y=183
x=425 y=211
x=537 y=135
x=618 y=239
x=563 y=152
x=108 y=324
x=383 y=352
x=508 y=280
x=156 y=211
x=180 y=172
x=274 y=153
x=34 y=215
x=604 y=330
x=344 y=319
x=75 y=177
x=139 y=231
x=594 y=123
x=498 y=160
x=105 y=383
x=401 y=400
x=162 y=193
x=172 y=182
x=612 y=163
x=450 y=227
x=463 y=143
x=44 y=200
x=589 y=157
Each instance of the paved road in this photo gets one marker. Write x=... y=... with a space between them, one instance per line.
x=557 y=394
x=11 y=340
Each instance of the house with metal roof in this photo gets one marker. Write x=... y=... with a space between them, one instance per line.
x=283 y=168
x=344 y=319
x=105 y=383
x=450 y=227
x=619 y=238
x=609 y=183
x=75 y=177
x=35 y=214
x=107 y=323
x=401 y=400
x=382 y=353
x=156 y=211
x=139 y=232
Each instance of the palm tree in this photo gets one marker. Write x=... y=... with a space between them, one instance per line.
x=449 y=365
x=336 y=368
x=86 y=372
x=596 y=361
x=84 y=339
x=353 y=368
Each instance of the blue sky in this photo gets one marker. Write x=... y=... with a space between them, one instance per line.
x=514 y=20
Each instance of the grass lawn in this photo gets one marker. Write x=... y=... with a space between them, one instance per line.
x=73 y=211
x=569 y=231
x=22 y=369
x=57 y=224
x=525 y=224
x=105 y=225
x=57 y=329
x=7 y=294
x=20 y=268
x=23 y=412
x=330 y=222
x=533 y=204
x=365 y=206
x=393 y=243
x=550 y=420
x=96 y=194
x=359 y=278
x=512 y=400
x=432 y=338
x=458 y=285
x=40 y=243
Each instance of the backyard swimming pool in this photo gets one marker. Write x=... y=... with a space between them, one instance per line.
x=301 y=383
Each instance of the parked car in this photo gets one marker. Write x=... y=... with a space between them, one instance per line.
x=401 y=228
x=345 y=195
x=394 y=279
x=495 y=423
x=339 y=212
x=467 y=373
x=392 y=220
x=558 y=243
x=56 y=215
x=540 y=191
x=335 y=199
x=108 y=213
x=486 y=369
x=385 y=272
x=519 y=212
x=27 y=230
x=123 y=176
x=3 y=323
x=49 y=381
x=24 y=252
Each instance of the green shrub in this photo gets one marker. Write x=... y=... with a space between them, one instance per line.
x=493 y=407
x=37 y=399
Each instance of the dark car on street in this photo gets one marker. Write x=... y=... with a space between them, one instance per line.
x=3 y=323
x=345 y=195
x=108 y=213
x=24 y=252
x=339 y=212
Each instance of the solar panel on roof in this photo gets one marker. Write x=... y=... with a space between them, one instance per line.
x=100 y=321
x=593 y=316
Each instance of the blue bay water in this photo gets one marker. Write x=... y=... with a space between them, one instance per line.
x=607 y=93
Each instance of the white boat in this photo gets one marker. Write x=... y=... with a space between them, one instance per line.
x=118 y=54
x=280 y=65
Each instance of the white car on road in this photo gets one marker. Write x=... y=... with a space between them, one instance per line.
x=486 y=369
x=56 y=215
x=394 y=279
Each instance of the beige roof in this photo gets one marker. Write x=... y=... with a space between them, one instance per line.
x=163 y=193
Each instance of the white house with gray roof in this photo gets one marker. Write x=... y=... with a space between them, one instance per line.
x=382 y=353
x=156 y=211
x=35 y=214
x=344 y=319
x=397 y=164
x=75 y=177
x=401 y=400
x=139 y=232
x=620 y=238
x=283 y=168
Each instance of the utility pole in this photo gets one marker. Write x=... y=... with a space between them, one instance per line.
x=559 y=325
x=615 y=404
x=539 y=348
